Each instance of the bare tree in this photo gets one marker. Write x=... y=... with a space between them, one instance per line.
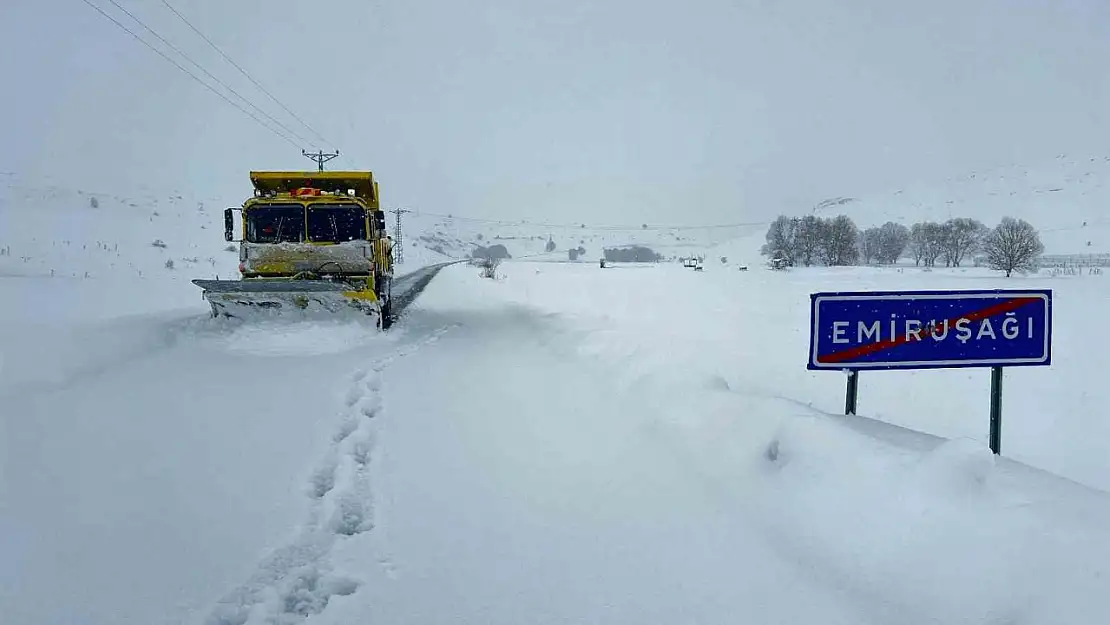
x=961 y=236
x=839 y=241
x=893 y=239
x=808 y=239
x=935 y=235
x=930 y=242
x=927 y=242
x=870 y=245
x=489 y=266
x=918 y=243
x=1013 y=245
x=944 y=241
x=632 y=254
x=781 y=239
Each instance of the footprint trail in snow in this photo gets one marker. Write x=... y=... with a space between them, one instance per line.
x=296 y=580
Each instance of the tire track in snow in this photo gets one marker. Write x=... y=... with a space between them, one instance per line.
x=296 y=581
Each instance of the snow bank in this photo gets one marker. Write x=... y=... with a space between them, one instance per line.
x=751 y=328
x=57 y=331
x=933 y=536
x=916 y=529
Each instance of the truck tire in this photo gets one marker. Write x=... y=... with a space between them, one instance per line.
x=387 y=314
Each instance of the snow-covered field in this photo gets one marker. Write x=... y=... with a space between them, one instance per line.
x=563 y=444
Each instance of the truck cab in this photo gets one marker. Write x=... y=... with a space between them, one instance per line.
x=326 y=223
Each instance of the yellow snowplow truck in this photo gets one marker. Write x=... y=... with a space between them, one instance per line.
x=309 y=241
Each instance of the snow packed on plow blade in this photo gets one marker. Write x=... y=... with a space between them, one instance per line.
x=267 y=298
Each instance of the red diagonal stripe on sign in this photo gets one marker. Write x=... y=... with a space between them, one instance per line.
x=859 y=351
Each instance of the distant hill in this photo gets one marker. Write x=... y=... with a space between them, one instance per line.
x=51 y=230
x=1066 y=198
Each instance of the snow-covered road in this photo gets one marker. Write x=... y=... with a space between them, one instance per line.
x=521 y=488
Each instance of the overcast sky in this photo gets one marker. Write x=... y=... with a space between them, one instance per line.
x=703 y=111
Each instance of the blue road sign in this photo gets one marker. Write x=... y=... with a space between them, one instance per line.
x=930 y=329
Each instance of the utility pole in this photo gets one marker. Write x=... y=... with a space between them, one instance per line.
x=320 y=157
x=399 y=244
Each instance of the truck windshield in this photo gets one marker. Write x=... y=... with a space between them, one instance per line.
x=275 y=223
x=336 y=223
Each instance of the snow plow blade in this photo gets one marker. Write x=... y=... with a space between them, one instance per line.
x=267 y=297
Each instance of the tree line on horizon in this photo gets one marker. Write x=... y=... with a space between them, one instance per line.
x=1012 y=245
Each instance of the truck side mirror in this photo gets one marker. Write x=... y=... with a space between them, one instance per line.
x=379 y=220
x=229 y=224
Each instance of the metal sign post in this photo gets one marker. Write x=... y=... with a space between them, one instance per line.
x=996 y=410
x=851 y=396
x=888 y=330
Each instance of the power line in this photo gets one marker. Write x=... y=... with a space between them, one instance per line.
x=190 y=74
x=244 y=72
x=208 y=73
